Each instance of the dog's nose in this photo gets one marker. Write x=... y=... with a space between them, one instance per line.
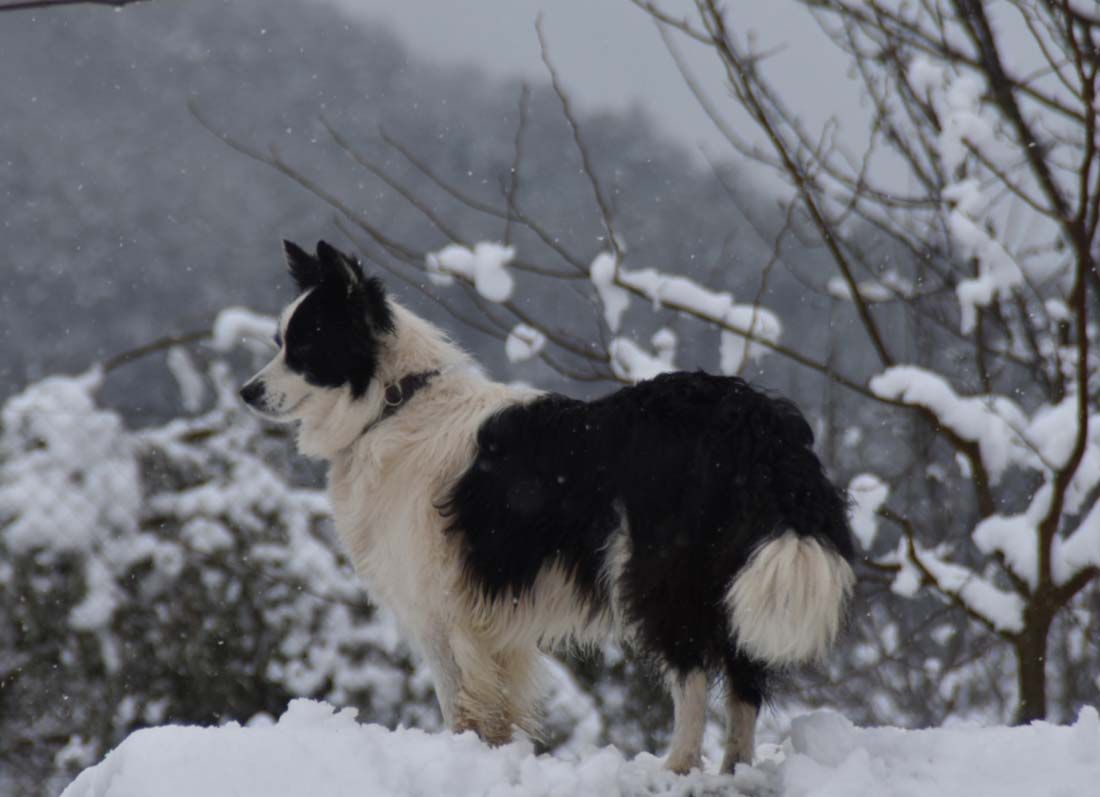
x=252 y=392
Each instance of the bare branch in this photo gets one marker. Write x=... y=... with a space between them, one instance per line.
x=158 y=345
x=27 y=5
x=517 y=161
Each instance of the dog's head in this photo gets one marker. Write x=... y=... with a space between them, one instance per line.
x=330 y=338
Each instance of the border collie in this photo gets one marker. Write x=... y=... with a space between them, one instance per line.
x=687 y=515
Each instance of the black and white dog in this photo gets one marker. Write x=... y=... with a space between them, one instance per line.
x=688 y=514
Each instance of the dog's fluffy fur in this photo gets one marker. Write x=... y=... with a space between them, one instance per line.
x=687 y=514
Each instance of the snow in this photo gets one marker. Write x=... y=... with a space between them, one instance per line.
x=664 y=342
x=69 y=476
x=925 y=76
x=1080 y=550
x=484 y=266
x=1003 y=609
x=830 y=757
x=960 y=108
x=1053 y=430
x=681 y=293
x=192 y=386
x=673 y=290
x=523 y=343
x=315 y=749
x=884 y=288
x=1016 y=537
x=998 y=272
x=972 y=212
x=615 y=300
x=632 y=363
x=993 y=422
x=868 y=494
x=236 y=325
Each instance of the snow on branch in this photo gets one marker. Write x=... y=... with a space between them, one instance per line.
x=484 y=265
x=992 y=422
x=631 y=363
x=868 y=493
x=886 y=287
x=998 y=272
x=523 y=343
x=614 y=299
x=1016 y=537
x=741 y=323
x=1000 y=609
x=1078 y=552
x=236 y=325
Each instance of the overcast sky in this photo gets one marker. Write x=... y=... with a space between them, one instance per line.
x=609 y=54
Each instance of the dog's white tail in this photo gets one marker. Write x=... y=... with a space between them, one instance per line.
x=787 y=603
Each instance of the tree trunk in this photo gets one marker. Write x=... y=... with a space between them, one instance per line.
x=1031 y=659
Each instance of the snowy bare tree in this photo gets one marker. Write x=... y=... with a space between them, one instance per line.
x=997 y=224
x=974 y=289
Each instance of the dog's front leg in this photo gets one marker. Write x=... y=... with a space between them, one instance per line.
x=470 y=678
x=446 y=675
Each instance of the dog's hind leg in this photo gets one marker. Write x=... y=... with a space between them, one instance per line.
x=740 y=731
x=746 y=686
x=689 y=699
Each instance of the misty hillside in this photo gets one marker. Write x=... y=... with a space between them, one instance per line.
x=125 y=220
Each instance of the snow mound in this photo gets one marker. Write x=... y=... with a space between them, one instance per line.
x=314 y=749
x=827 y=756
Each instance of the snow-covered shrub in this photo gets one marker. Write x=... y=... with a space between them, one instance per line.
x=172 y=574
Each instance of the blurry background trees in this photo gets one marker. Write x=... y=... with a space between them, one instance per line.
x=929 y=302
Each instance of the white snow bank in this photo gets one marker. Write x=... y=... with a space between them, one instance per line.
x=315 y=750
x=827 y=756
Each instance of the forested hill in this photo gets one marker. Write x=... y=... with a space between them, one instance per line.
x=124 y=220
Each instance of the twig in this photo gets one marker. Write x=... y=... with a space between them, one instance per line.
x=586 y=159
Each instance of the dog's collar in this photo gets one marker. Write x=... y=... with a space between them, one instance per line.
x=397 y=394
x=400 y=392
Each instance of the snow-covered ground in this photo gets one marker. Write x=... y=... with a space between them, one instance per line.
x=315 y=751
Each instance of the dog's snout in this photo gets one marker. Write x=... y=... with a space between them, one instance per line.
x=252 y=393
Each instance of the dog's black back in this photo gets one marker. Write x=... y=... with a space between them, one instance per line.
x=702 y=468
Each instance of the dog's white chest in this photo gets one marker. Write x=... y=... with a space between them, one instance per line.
x=394 y=535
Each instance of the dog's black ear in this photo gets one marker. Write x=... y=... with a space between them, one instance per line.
x=303 y=266
x=376 y=307
x=341 y=266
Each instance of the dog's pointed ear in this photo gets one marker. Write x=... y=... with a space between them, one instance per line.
x=303 y=266
x=341 y=266
x=376 y=306
x=369 y=293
